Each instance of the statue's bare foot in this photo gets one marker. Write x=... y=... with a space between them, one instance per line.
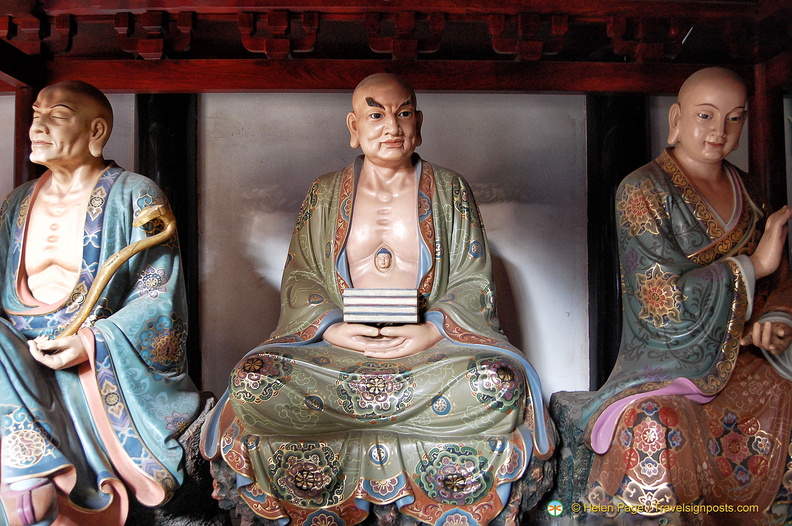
x=30 y=502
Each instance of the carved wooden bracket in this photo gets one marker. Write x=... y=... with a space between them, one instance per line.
x=33 y=36
x=646 y=39
x=278 y=33
x=742 y=44
x=158 y=29
x=405 y=34
x=528 y=36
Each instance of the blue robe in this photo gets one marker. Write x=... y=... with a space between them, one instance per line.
x=120 y=413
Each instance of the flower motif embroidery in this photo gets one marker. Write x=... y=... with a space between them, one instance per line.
x=735 y=447
x=384 y=487
x=649 y=407
x=163 y=341
x=456 y=520
x=77 y=298
x=260 y=377
x=496 y=382
x=96 y=202
x=323 y=519
x=762 y=445
x=177 y=422
x=114 y=403
x=675 y=438
x=649 y=437
x=373 y=391
x=454 y=474
x=23 y=448
x=307 y=474
x=649 y=467
x=660 y=297
x=151 y=282
x=639 y=207
x=742 y=475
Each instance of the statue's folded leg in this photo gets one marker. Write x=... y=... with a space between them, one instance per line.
x=29 y=502
x=46 y=428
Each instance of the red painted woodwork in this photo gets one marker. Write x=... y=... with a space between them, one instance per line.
x=585 y=46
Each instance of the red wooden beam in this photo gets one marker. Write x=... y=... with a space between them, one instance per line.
x=251 y=75
x=18 y=69
x=584 y=8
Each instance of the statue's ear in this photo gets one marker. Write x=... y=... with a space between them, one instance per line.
x=418 y=123
x=352 y=124
x=100 y=133
x=674 y=114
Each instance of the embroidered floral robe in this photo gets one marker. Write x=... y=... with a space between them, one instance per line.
x=316 y=432
x=686 y=415
x=119 y=414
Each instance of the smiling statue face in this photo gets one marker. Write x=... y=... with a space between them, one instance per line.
x=384 y=121
x=708 y=118
x=65 y=123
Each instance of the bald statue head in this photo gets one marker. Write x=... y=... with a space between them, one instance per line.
x=706 y=121
x=72 y=121
x=385 y=121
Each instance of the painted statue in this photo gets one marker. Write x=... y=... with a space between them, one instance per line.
x=327 y=417
x=94 y=389
x=696 y=411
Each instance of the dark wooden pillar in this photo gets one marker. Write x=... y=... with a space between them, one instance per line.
x=167 y=126
x=767 y=159
x=617 y=143
x=23 y=168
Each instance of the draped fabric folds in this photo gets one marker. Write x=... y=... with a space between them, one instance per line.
x=317 y=433
x=687 y=416
x=118 y=416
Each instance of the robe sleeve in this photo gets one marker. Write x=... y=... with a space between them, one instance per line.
x=682 y=318
x=310 y=300
x=140 y=394
x=462 y=302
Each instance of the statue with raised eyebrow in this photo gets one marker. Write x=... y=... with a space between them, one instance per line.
x=441 y=418
x=697 y=408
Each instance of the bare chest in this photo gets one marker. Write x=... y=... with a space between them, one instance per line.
x=53 y=245
x=383 y=242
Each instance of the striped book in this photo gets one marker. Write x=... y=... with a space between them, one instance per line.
x=374 y=306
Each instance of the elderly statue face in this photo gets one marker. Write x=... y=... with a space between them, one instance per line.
x=69 y=127
x=384 y=120
x=706 y=122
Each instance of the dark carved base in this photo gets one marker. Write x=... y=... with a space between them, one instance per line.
x=574 y=457
x=525 y=494
x=192 y=504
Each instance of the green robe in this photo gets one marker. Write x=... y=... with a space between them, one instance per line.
x=315 y=430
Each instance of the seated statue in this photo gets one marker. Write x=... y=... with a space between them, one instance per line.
x=94 y=389
x=327 y=417
x=697 y=410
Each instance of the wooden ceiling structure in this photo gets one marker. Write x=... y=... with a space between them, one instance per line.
x=585 y=46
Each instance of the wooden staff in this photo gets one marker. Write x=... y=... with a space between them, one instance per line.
x=159 y=213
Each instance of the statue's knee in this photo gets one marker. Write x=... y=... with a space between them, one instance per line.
x=498 y=379
x=259 y=376
x=651 y=424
